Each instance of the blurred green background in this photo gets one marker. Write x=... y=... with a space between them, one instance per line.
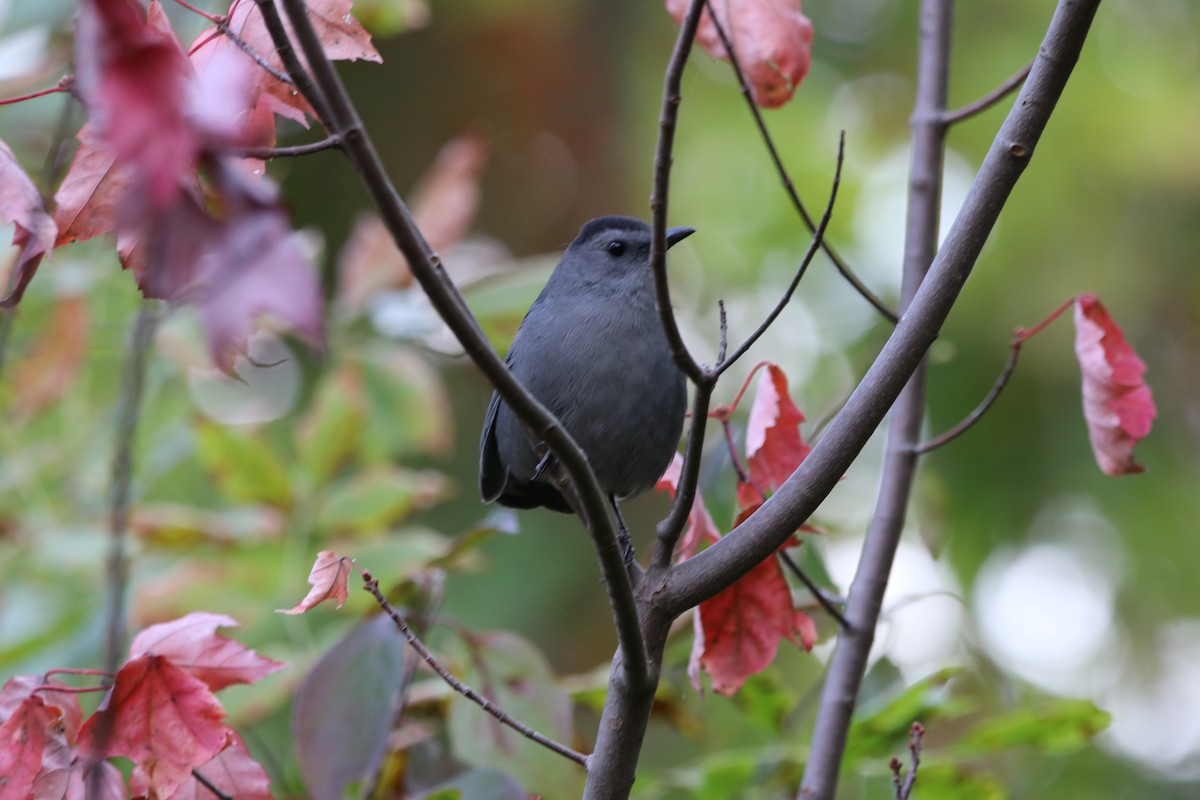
x=1027 y=580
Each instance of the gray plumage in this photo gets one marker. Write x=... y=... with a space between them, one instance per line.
x=592 y=350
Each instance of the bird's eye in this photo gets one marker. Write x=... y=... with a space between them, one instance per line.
x=616 y=248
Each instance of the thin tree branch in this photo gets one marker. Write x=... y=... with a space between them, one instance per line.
x=65 y=84
x=818 y=593
x=671 y=528
x=788 y=185
x=990 y=99
x=427 y=269
x=865 y=599
x=719 y=565
x=371 y=585
x=813 y=247
x=266 y=153
x=212 y=787
x=294 y=71
x=930 y=445
x=658 y=199
x=133 y=381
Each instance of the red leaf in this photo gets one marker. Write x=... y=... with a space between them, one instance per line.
x=344 y=39
x=34 y=758
x=191 y=643
x=774 y=446
x=700 y=527
x=235 y=268
x=159 y=716
x=133 y=76
x=738 y=630
x=1117 y=403
x=21 y=205
x=17 y=689
x=87 y=200
x=772 y=39
x=328 y=577
x=232 y=771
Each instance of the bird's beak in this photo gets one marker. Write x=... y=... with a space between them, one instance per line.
x=677 y=235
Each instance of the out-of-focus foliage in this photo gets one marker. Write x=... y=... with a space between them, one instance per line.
x=1033 y=596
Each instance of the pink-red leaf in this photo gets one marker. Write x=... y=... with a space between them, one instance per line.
x=133 y=76
x=700 y=528
x=109 y=786
x=160 y=717
x=34 y=758
x=21 y=205
x=232 y=771
x=772 y=40
x=774 y=446
x=738 y=630
x=1117 y=403
x=341 y=34
x=18 y=688
x=329 y=579
x=191 y=643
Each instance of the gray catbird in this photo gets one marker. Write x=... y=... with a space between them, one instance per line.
x=592 y=350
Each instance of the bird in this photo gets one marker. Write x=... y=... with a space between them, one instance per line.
x=592 y=350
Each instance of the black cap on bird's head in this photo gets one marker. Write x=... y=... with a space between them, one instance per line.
x=618 y=235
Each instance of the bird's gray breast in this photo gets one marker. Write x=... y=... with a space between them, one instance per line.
x=603 y=367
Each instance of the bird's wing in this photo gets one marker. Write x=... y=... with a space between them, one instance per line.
x=493 y=475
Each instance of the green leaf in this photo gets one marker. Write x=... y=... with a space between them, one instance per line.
x=952 y=782
x=1055 y=727
x=514 y=675
x=877 y=734
x=331 y=433
x=246 y=469
x=372 y=502
x=408 y=411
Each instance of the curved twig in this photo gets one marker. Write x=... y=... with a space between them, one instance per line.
x=658 y=198
x=266 y=153
x=788 y=185
x=371 y=585
x=962 y=427
x=988 y=100
x=813 y=247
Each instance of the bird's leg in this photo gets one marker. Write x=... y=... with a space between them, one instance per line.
x=542 y=466
x=623 y=537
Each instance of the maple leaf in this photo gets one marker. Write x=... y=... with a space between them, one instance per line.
x=700 y=528
x=774 y=446
x=191 y=643
x=162 y=718
x=772 y=40
x=739 y=629
x=34 y=757
x=344 y=39
x=329 y=579
x=232 y=771
x=21 y=205
x=1117 y=404
x=18 y=688
x=135 y=80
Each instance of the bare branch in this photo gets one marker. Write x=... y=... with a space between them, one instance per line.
x=371 y=585
x=719 y=565
x=296 y=75
x=426 y=267
x=788 y=185
x=658 y=199
x=988 y=100
x=813 y=247
x=822 y=597
x=976 y=415
x=266 y=153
